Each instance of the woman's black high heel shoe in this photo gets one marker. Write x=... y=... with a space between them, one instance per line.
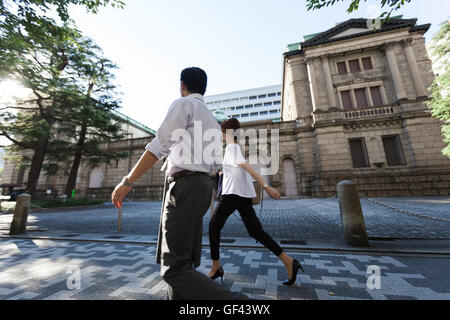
x=219 y=273
x=295 y=266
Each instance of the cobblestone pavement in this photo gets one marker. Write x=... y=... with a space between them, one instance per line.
x=44 y=269
x=285 y=219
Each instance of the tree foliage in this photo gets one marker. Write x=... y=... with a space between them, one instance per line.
x=31 y=11
x=440 y=89
x=389 y=5
x=58 y=64
x=88 y=116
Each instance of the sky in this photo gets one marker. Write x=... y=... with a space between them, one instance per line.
x=239 y=43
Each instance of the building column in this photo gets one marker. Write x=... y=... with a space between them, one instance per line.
x=313 y=84
x=328 y=82
x=369 y=97
x=414 y=69
x=353 y=97
x=395 y=72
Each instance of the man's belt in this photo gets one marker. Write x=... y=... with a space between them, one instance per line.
x=185 y=173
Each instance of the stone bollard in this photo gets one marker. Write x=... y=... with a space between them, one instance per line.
x=351 y=215
x=19 y=223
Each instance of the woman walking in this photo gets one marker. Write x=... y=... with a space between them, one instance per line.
x=237 y=192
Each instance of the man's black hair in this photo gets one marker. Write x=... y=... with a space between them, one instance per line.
x=194 y=80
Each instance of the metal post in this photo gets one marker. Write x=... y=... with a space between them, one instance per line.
x=352 y=217
x=19 y=223
x=119 y=220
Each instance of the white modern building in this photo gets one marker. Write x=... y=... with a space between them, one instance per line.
x=248 y=105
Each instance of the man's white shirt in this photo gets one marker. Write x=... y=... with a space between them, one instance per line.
x=189 y=136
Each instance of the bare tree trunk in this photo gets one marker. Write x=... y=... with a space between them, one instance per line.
x=71 y=182
x=36 y=166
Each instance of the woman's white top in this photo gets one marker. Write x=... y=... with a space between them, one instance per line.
x=236 y=180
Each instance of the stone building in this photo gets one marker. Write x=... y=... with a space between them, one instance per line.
x=14 y=177
x=353 y=105
x=358 y=98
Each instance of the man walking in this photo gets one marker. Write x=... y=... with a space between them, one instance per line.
x=189 y=193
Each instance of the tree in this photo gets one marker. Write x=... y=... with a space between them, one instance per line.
x=36 y=50
x=37 y=57
x=392 y=5
x=26 y=12
x=440 y=89
x=87 y=119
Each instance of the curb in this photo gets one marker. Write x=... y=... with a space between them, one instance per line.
x=246 y=243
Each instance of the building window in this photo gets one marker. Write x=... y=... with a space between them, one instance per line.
x=346 y=100
x=235 y=116
x=258 y=105
x=370 y=95
x=278 y=93
x=367 y=63
x=268 y=104
x=263 y=113
x=253 y=114
x=393 y=150
x=361 y=99
x=358 y=150
x=244 y=115
x=273 y=111
x=262 y=96
x=275 y=103
x=341 y=67
x=272 y=95
x=232 y=108
x=248 y=106
x=240 y=108
x=253 y=97
x=376 y=96
x=354 y=65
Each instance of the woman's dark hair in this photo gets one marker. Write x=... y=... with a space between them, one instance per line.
x=194 y=79
x=231 y=123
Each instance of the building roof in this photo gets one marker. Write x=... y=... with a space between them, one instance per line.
x=133 y=122
x=332 y=35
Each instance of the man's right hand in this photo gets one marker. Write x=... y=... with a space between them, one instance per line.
x=119 y=194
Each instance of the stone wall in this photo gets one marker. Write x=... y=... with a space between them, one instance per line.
x=422 y=182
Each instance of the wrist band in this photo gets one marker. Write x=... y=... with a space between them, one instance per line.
x=126 y=183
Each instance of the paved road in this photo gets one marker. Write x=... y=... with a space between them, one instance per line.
x=44 y=269
x=285 y=219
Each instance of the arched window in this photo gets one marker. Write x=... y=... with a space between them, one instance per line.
x=289 y=178
x=96 y=178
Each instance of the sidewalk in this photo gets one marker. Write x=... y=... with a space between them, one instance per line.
x=377 y=245
x=89 y=269
x=410 y=246
x=299 y=219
